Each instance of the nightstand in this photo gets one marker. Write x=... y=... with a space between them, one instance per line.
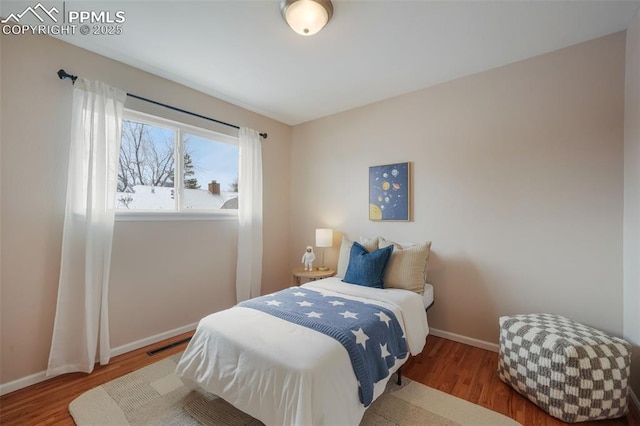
x=300 y=273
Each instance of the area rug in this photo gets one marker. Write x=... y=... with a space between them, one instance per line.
x=155 y=395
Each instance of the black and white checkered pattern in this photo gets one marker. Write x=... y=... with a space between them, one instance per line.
x=574 y=372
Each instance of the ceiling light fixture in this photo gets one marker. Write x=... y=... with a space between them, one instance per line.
x=306 y=17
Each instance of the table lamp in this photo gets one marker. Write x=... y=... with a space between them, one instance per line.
x=324 y=238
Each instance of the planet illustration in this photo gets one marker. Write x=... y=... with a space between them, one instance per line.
x=389 y=192
x=374 y=212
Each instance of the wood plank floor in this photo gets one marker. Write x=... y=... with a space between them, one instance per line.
x=471 y=373
x=458 y=369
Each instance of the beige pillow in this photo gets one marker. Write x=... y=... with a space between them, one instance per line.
x=345 y=251
x=407 y=265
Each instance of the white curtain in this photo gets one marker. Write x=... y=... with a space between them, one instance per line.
x=81 y=325
x=249 y=265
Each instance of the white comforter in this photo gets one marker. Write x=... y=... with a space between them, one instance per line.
x=285 y=374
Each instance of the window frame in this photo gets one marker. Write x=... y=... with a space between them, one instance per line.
x=180 y=214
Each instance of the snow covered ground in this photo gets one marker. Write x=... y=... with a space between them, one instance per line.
x=162 y=198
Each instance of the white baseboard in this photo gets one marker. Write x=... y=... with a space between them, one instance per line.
x=23 y=382
x=494 y=347
x=151 y=340
x=42 y=376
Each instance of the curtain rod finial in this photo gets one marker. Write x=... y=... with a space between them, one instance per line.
x=62 y=74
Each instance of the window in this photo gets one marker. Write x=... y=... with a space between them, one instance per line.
x=155 y=151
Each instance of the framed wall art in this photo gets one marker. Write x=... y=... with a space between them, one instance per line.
x=390 y=192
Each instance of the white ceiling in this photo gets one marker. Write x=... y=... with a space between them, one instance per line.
x=244 y=53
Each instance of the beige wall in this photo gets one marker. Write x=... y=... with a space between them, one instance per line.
x=518 y=175
x=517 y=181
x=165 y=275
x=632 y=198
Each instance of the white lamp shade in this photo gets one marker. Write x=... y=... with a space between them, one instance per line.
x=306 y=17
x=324 y=237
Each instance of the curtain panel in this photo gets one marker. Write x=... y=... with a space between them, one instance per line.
x=249 y=263
x=81 y=326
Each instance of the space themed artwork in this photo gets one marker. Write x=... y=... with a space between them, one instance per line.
x=389 y=192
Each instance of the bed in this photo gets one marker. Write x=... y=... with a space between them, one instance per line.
x=284 y=373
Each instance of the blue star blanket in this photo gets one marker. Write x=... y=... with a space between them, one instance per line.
x=371 y=334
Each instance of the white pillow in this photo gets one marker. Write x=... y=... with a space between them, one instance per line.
x=407 y=265
x=345 y=252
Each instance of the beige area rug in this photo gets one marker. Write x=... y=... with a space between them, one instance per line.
x=154 y=395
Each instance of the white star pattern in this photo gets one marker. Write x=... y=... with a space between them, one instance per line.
x=384 y=318
x=361 y=338
x=384 y=351
x=364 y=329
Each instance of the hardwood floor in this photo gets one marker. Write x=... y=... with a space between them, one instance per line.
x=46 y=403
x=471 y=373
x=458 y=369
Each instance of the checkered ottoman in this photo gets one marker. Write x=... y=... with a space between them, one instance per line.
x=573 y=372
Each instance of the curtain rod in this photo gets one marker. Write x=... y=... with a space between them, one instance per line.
x=62 y=74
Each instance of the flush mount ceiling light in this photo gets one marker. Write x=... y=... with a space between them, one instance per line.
x=306 y=17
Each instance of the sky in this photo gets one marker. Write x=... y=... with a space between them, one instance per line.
x=213 y=161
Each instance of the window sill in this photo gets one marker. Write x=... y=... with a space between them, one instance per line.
x=138 y=216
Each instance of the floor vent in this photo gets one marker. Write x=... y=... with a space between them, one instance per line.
x=164 y=348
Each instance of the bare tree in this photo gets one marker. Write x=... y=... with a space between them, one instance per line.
x=125 y=200
x=145 y=159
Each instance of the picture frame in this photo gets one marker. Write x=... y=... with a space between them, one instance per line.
x=390 y=192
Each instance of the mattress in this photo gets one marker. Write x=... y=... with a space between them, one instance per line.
x=427 y=296
x=285 y=374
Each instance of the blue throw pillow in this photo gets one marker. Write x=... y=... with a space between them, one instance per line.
x=367 y=268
